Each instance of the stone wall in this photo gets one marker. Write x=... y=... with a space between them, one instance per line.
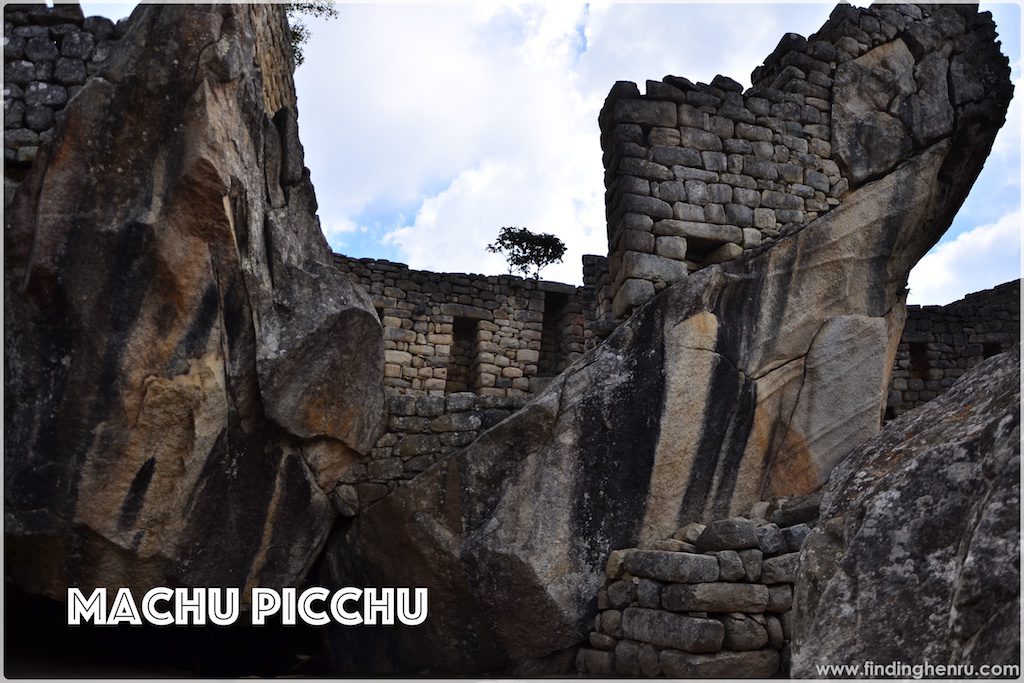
x=49 y=52
x=420 y=431
x=697 y=173
x=714 y=601
x=447 y=333
x=274 y=54
x=941 y=343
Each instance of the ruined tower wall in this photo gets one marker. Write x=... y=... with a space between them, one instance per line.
x=696 y=174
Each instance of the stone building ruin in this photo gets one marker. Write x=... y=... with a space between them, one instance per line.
x=262 y=411
x=696 y=174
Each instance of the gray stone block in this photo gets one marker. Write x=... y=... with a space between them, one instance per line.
x=735 y=533
x=780 y=598
x=650 y=664
x=38 y=49
x=743 y=632
x=699 y=234
x=632 y=293
x=715 y=597
x=673 y=156
x=657 y=269
x=751 y=564
x=675 y=631
x=645 y=112
x=671 y=247
x=46 y=94
x=672 y=567
x=621 y=594
x=698 y=139
x=648 y=593
x=730 y=566
x=649 y=206
x=770 y=540
x=627 y=658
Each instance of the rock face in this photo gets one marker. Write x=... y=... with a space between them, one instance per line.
x=186 y=372
x=748 y=379
x=918 y=556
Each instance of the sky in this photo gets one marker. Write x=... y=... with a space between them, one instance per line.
x=428 y=127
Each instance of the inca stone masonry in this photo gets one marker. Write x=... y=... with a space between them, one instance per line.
x=695 y=174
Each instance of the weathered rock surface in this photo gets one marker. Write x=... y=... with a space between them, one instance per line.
x=186 y=372
x=746 y=380
x=918 y=557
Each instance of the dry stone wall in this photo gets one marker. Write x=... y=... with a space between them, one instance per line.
x=49 y=52
x=941 y=343
x=696 y=174
x=462 y=353
x=421 y=430
x=274 y=55
x=714 y=601
x=447 y=333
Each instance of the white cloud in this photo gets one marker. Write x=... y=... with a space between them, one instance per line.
x=472 y=117
x=432 y=126
x=976 y=259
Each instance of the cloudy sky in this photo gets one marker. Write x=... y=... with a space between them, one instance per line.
x=428 y=127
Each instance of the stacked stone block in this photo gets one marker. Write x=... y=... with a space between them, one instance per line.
x=697 y=174
x=941 y=343
x=49 y=53
x=496 y=323
x=421 y=430
x=713 y=601
x=600 y=320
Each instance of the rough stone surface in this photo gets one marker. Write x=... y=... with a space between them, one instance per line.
x=186 y=372
x=917 y=556
x=710 y=397
x=755 y=664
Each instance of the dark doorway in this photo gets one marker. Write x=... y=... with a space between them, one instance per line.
x=989 y=349
x=918 y=359
x=553 y=336
x=462 y=357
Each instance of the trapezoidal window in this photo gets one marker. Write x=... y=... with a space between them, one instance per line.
x=552 y=336
x=989 y=349
x=462 y=357
x=918 y=359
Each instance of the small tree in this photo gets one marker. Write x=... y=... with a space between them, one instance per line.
x=299 y=30
x=525 y=250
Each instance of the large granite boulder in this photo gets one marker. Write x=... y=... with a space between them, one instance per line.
x=748 y=379
x=186 y=372
x=918 y=556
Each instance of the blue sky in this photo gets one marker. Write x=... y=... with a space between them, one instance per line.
x=428 y=127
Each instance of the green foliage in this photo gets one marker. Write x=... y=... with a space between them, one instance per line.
x=525 y=250
x=299 y=31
